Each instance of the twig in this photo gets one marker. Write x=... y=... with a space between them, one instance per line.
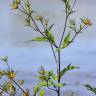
x=19 y=87
x=74 y=3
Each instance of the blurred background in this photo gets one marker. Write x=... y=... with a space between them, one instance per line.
x=27 y=58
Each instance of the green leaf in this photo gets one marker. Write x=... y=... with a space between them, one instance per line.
x=38 y=39
x=60 y=84
x=5 y=58
x=72 y=27
x=72 y=22
x=27 y=6
x=54 y=77
x=64 y=1
x=90 y=88
x=69 y=67
x=50 y=27
x=42 y=84
x=81 y=27
x=42 y=93
x=37 y=88
x=50 y=36
x=66 y=40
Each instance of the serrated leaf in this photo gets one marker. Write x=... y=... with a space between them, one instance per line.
x=42 y=93
x=39 y=39
x=69 y=67
x=66 y=40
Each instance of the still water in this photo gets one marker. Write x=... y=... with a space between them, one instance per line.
x=27 y=58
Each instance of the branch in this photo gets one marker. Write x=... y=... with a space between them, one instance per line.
x=66 y=18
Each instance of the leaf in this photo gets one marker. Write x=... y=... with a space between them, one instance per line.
x=64 y=1
x=60 y=84
x=72 y=22
x=50 y=36
x=54 y=77
x=72 y=27
x=36 y=89
x=69 y=67
x=38 y=39
x=5 y=58
x=66 y=40
x=42 y=93
x=42 y=84
x=90 y=88
x=81 y=27
x=27 y=6
x=50 y=27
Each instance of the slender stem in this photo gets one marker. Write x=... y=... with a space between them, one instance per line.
x=66 y=18
x=43 y=24
x=53 y=52
x=74 y=3
x=51 y=46
x=54 y=56
x=19 y=87
x=8 y=66
x=59 y=52
x=59 y=68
